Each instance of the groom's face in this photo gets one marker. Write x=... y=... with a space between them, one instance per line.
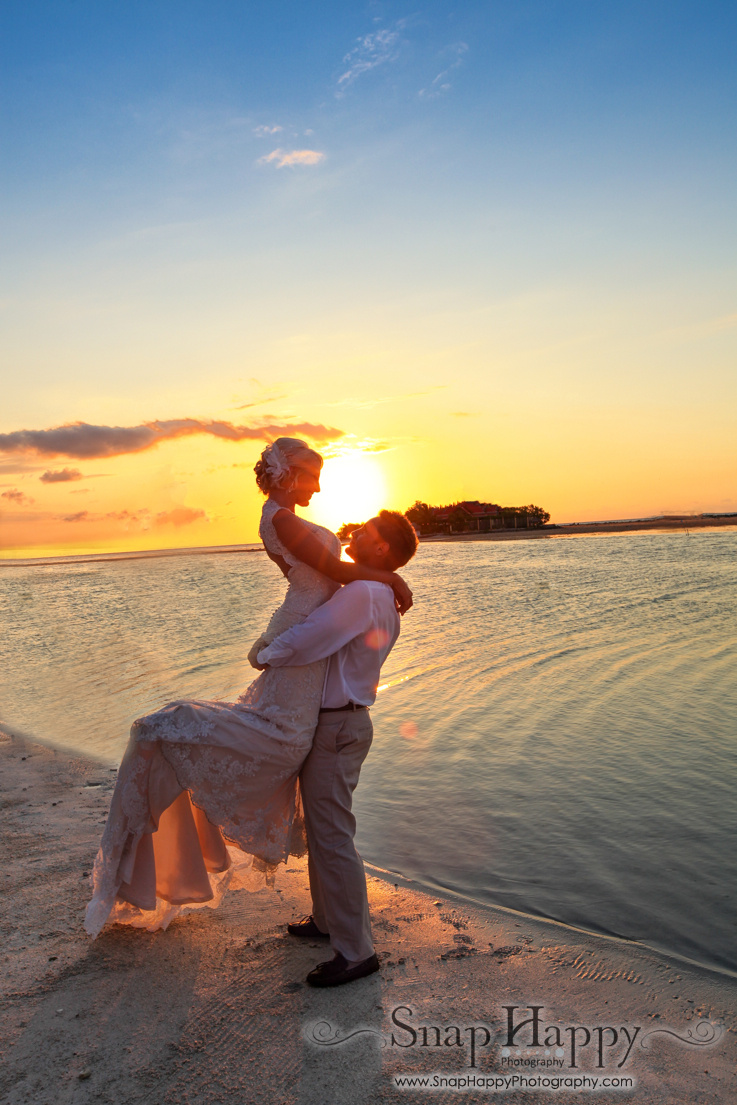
x=367 y=546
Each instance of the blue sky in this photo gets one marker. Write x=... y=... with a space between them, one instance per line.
x=121 y=110
x=523 y=210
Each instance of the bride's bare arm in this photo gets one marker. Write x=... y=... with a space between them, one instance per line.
x=303 y=544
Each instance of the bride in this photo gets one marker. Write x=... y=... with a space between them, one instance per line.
x=206 y=796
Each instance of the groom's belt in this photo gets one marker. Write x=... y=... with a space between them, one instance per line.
x=338 y=709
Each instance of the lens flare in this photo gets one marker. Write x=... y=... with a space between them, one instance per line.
x=352 y=490
x=376 y=638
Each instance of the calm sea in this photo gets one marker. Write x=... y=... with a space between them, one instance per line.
x=557 y=732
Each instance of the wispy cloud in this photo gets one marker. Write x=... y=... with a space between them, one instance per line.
x=371 y=51
x=180 y=516
x=442 y=83
x=177 y=516
x=264 y=132
x=18 y=468
x=259 y=402
x=63 y=475
x=352 y=445
x=128 y=515
x=80 y=440
x=16 y=496
x=285 y=158
x=377 y=400
x=260 y=395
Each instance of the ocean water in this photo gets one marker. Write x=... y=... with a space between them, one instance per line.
x=556 y=732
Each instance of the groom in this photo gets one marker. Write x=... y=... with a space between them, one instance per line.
x=356 y=629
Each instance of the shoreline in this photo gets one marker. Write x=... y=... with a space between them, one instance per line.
x=666 y=524
x=134 y=554
x=463 y=900
x=623 y=942
x=215 y=1009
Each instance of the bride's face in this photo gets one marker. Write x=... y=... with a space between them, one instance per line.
x=305 y=484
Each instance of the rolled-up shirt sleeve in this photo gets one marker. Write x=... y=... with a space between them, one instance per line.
x=327 y=629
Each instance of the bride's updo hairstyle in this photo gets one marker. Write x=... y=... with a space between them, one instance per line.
x=274 y=468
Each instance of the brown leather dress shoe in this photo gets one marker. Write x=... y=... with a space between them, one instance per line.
x=335 y=972
x=307 y=927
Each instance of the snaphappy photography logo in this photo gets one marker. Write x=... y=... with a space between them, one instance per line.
x=524 y=1046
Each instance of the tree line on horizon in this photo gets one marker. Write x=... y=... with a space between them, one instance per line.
x=466 y=516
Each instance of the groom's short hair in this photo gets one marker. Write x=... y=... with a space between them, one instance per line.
x=399 y=535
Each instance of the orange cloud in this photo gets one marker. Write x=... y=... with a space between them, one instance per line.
x=129 y=515
x=16 y=496
x=83 y=441
x=64 y=475
x=180 y=516
x=283 y=158
x=177 y=516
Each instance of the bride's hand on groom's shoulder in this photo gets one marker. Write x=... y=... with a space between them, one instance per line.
x=402 y=594
x=255 y=649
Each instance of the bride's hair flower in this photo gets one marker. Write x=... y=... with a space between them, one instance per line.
x=275 y=463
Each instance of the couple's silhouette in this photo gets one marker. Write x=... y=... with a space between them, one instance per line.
x=212 y=795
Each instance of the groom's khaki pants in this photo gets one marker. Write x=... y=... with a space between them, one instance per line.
x=337 y=878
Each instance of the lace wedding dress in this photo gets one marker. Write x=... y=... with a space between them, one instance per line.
x=206 y=796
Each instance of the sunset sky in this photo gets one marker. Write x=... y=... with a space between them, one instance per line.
x=470 y=250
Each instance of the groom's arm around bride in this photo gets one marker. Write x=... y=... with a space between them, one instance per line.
x=356 y=628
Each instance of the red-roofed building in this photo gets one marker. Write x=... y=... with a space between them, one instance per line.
x=470 y=514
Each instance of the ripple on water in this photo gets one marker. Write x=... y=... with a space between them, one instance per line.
x=556 y=734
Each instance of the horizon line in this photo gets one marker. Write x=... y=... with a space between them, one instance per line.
x=257 y=546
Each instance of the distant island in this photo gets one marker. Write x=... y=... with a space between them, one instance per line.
x=468 y=516
x=473 y=520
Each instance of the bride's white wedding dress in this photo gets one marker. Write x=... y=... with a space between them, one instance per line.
x=206 y=796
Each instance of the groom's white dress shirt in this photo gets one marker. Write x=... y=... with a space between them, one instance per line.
x=356 y=628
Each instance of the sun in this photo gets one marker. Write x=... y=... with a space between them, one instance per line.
x=352 y=489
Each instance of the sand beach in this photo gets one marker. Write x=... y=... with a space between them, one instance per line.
x=215 y=1009
x=668 y=523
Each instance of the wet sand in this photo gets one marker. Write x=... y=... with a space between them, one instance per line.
x=215 y=1009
